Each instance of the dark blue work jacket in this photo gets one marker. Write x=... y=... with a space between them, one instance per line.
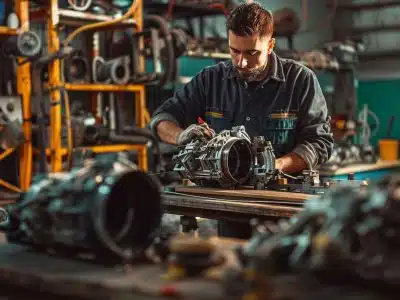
x=287 y=107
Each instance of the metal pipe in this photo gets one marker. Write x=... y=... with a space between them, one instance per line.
x=115 y=70
x=370 y=29
x=373 y=55
x=368 y=6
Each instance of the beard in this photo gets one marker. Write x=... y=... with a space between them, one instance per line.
x=254 y=74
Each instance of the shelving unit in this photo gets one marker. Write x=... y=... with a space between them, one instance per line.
x=24 y=74
x=183 y=10
x=5 y=31
x=104 y=87
x=56 y=18
x=78 y=18
x=24 y=90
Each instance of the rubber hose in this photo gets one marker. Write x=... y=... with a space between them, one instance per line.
x=162 y=24
x=135 y=131
x=98 y=25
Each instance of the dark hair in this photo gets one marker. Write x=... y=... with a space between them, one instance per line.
x=250 y=18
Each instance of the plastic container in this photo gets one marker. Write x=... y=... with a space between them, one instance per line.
x=389 y=149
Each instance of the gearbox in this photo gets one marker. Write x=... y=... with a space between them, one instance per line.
x=225 y=160
x=228 y=159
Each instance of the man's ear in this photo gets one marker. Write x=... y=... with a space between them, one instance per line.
x=271 y=45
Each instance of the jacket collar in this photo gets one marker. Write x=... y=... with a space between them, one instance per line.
x=275 y=69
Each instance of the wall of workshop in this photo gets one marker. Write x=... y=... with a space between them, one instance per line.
x=379 y=78
x=379 y=42
x=381 y=97
x=314 y=32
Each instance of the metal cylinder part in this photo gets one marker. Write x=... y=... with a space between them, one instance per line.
x=112 y=71
x=11 y=133
x=106 y=208
x=77 y=68
x=27 y=44
x=226 y=160
x=81 y=5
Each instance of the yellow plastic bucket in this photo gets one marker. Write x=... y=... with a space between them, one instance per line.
x=388 y=149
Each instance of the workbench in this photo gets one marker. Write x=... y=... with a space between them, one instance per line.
x=363 y=171
x=236 y=205
x=25 y=275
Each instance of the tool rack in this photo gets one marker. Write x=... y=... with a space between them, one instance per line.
x=55 y=18
x=24 y=90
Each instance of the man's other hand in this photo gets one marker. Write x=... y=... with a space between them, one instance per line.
x=290 y=163
x=194 y=131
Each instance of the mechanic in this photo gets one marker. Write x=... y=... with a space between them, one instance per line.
x=274 y=97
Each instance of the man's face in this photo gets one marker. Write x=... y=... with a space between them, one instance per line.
x=250 y=54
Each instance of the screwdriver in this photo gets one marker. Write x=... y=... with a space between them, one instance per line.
x=202 y=122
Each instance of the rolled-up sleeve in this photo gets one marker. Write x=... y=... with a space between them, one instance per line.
x=184 y=107
x=314 y=139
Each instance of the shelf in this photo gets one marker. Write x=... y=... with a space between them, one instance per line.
x=103 y=87
x=115 y=148
x=36 y=151
x=78 y=18
x=99 y=149
x=217 y=55
x=182 y=10
x=4 y=30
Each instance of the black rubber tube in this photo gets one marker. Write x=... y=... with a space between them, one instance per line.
x=162 y=25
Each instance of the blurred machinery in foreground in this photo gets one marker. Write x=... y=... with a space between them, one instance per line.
x=107 y=208
x=348 y=235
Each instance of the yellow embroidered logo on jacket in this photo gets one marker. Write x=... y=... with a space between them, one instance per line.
x=214 y=114
x=283 y=115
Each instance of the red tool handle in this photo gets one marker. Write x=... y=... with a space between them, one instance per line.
x=200 y=120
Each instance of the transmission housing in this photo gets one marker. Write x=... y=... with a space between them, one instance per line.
x=228 y=159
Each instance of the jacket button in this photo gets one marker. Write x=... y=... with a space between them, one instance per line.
x=248 y=119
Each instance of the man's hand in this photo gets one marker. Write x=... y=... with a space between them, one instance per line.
x=192 y=132
x=290 y=163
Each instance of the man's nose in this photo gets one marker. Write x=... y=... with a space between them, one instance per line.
x=242 y=62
